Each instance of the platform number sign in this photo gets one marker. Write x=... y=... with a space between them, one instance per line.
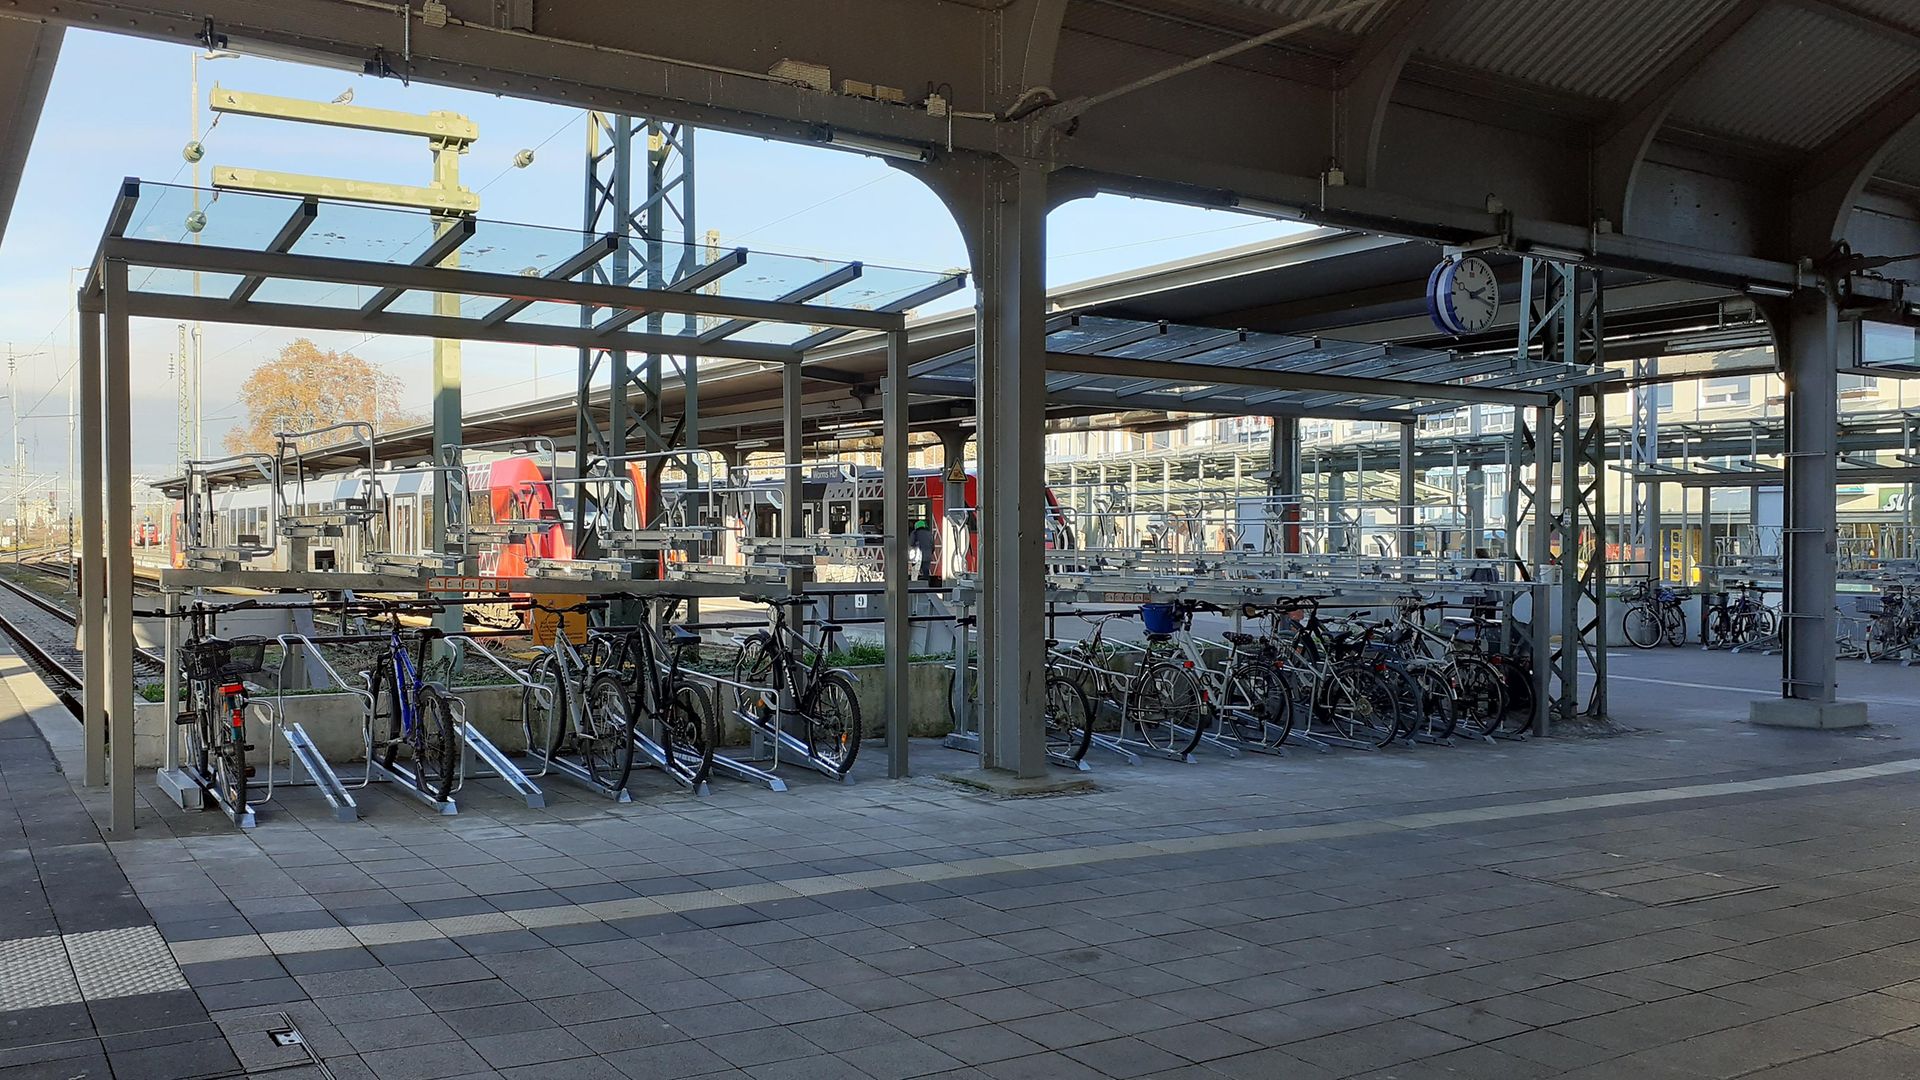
x=1463 y=296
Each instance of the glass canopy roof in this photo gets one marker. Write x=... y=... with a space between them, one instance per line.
x=1125 y=364
x=278 y=224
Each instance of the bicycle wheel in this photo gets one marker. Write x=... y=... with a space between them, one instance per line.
x=1407 y=698
x=1673 y=619
x=1642 y=625
x=1069 y=719
x=436 y=764
x=199 y=733
x=1360 y=705
x=387 y=726
x=1439 y=714
x=753 y=666
x=606 y=747
x=1766 y=622
x=688 y=726
x=1169 y=707
x=230 y=765
x=548 y=717
x=1258 y=706
x=1479 y=698
x=833 y=721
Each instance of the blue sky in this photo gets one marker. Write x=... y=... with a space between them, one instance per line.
x=120 y=107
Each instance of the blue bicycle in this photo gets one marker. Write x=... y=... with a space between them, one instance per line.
x=410 y=712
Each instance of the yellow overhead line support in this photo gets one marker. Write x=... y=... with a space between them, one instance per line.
x=438 y=199
x=447 y=126
x=448 y=135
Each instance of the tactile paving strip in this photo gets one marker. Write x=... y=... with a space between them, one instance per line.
x=94 y=966
x=124 y=962
x=36 y=974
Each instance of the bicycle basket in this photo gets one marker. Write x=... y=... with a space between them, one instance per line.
x=246 y=656
x=219 y=658
x=1158 y=618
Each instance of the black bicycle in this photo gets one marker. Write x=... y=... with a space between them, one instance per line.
x=215 y=713
x=790 y=667
x=637 y=689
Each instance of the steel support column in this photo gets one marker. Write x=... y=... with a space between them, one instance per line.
x=1811 y=345
x=1011 y=404
x=1406 y=489
x=1283 y=484
x=899 y=625
x=1538 y=553
x=793 y=449
x=118 y=468
x=1475 y=497
x=93 y=571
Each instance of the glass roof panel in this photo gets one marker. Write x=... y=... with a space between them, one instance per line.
x=251 y=222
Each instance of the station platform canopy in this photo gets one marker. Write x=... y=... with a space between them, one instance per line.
x=304 y=263
x=1122 y=364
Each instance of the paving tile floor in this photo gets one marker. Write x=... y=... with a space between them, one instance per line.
x=1690 y=896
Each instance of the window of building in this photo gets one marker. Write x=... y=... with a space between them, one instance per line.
x=1723 y=392
x=1857 y=385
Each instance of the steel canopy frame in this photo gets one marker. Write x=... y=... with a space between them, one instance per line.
x=1121 y=364
x=111 y=296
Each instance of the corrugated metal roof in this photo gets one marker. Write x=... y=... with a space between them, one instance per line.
x=1354 y=22
x=1904 y=12
x=1793 y=78
x=1592 y=48
x=1903 y=160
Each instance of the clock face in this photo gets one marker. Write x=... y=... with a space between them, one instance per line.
x=1469 y=296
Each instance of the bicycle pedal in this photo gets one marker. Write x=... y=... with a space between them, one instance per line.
x=249 y=772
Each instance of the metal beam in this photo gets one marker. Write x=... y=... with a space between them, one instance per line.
x=481 y=283
x=1620 y=143
x=1364 y=85
x=448 y=241
x=282 y=242
x=1829 y=182
x=573 y=265
x=694 y=282
x=259 y=313
x=904 y=305
x=411 y=196
x=1354 y=385
x=819 y=286
x=117 y=464
x=441 y=126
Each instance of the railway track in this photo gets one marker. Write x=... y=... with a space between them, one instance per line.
x=44 y=631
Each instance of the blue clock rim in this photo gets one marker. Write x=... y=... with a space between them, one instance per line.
x=1440 y=297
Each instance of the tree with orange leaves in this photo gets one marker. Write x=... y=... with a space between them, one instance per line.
x=308 y=387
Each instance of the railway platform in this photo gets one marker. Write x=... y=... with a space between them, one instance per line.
x=1686 y=895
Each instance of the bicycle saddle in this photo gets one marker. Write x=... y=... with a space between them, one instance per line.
x=679 y=635
x=1239 y=638
x=831 y=628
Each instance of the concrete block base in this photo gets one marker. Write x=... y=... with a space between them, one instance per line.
x=1001 y=782
x=1814 y=715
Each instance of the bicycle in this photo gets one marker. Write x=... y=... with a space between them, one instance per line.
x=553 y=704
x=215 y=716
x=1329 y=680
x=1068 y=714
x=1892 y=629
x=410 y=710
x=1740 y=619
x=1653 y=613
x=1163 y=698
x=640 y=679
x=825 y=700
x=1471 y=682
